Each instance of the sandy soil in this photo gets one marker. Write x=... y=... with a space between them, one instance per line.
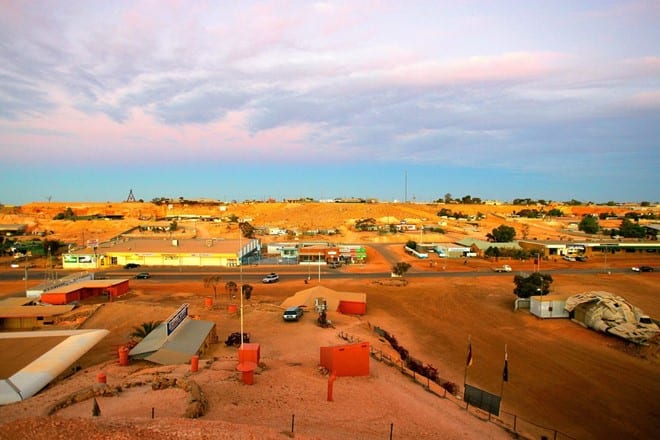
x=561 y=376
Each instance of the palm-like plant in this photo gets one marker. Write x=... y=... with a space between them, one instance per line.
x=141 y=331
x=231 y=288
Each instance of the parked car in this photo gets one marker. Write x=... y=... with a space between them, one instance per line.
x=143 y=275
x=271 y=278
x=292 y=313
x=642 y=269
x=334 y=264
x=234 y=339
x=568 y=258
x=131 y=266
x=581 y=258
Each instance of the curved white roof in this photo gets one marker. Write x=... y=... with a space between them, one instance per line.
x=32 y=378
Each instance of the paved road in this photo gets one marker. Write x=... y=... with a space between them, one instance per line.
x=254 y=274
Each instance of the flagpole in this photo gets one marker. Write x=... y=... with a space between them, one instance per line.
x=468 y=361
x=505 y=372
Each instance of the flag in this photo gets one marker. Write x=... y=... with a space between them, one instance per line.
x=505 y=372
x=469 y=355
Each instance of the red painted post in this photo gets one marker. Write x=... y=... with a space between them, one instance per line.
x=331 y=381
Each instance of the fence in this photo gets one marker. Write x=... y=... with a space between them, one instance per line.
x=508 y=421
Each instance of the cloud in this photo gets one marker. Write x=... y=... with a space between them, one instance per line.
x=363 y=82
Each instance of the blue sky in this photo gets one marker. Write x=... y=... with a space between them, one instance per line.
x=553 y=100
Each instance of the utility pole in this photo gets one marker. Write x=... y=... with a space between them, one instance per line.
x=240 y=266
x=405 y=189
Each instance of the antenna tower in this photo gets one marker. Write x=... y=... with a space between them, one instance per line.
x=131 y=197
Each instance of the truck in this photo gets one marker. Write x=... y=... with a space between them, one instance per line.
x=504 y=268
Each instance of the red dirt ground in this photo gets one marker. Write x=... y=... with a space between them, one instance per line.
x=562 y=377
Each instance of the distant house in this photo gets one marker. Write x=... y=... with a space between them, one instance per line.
x=479 y=247
x=25 y=314
x=12 y=229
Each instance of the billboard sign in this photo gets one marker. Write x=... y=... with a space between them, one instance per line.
x=176 y=319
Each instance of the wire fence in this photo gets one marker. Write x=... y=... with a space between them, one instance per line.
x=507 y=421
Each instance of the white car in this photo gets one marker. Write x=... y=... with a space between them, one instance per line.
x=505 y=268
x=271 y=278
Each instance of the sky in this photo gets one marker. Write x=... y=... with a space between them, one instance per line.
x=399 y=101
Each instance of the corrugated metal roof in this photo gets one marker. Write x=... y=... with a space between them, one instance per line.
x=86 y=284
x=15 y=302
x=483 y=244
x=33 y=311
x=178 y=348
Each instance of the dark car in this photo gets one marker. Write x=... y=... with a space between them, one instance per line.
x=131 y=266
x=643 y=269
x=143 y=275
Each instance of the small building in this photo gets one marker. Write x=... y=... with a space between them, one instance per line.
x=479 y=247
x=346 y=360
x=26 y=314
x=548 y=306
x=159 y=252
x=84 y=289
x=317 y=254
x=48 y=285
x=13 y=229
x=176 y=340
x=352 y=303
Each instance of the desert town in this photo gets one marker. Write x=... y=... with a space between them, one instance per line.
x=575 y=366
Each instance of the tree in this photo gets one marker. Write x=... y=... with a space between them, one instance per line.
x=231 y=288
x=400 y=268
x=493 y=251
x=246 y=229
x=51 y=246
x=589 y=224
x=525 y=231
x=141 y=331
x=631 y=229
x=534 y=284
x=365 y=224
x=212 y=281
x=502 y=234
x=247 y=291
x=448 y=198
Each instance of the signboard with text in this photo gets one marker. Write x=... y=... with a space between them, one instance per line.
x=176 y=319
